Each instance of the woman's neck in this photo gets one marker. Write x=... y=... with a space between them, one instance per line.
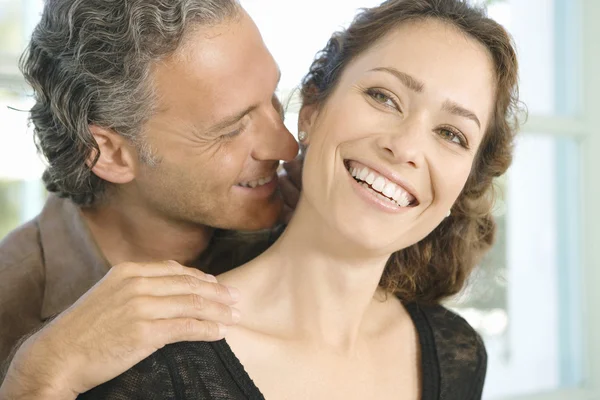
x=313 y=285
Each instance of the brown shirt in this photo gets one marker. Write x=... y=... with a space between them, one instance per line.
x=45 y=266
x=51 y=261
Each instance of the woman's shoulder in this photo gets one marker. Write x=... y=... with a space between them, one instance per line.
x=448 y=326
x=454 y=347
x=175 y=371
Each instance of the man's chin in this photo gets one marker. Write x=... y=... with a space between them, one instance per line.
x=257 y=225
x=257 y=220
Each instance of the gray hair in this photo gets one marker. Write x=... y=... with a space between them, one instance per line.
x=89 y=62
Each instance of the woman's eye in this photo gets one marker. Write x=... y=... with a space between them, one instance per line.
x=382 y=98
x=452 y=136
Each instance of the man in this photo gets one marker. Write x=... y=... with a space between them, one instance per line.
x=159 y=123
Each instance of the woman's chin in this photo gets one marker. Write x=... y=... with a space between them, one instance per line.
x=372 y=242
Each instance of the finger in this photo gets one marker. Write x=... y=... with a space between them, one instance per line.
x=183 y=306
x=158 y=286
x=294 y=172
x=162 y=268
x=187 y=330
x=289 y=192
x=286 y=215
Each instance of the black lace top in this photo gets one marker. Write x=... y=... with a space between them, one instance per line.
x=453 y=362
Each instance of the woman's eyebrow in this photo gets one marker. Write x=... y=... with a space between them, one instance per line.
x=407 y=80
x=457 y=109
x=417 y=86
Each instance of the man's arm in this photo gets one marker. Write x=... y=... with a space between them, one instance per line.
x=5 y=364
x=20 y=383
x=133 y=311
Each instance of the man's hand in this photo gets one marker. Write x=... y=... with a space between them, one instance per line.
x=133 y=311
x=290 y=184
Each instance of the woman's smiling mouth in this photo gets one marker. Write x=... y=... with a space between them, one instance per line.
x=380 y=186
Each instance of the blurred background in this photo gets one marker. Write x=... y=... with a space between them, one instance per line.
x=534 y=299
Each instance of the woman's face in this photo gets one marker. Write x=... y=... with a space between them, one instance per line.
x=393 y=146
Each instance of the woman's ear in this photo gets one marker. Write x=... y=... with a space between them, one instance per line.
x=116 y=160
x=306 y=121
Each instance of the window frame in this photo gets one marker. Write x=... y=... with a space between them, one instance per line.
x=581 y=127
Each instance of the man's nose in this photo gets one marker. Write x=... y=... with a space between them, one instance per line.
x=275 y=141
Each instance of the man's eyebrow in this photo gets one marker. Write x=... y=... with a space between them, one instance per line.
x=459 y=110
x=408 y=81
x=228 y=121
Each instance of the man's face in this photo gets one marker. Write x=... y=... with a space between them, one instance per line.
x=218 y=132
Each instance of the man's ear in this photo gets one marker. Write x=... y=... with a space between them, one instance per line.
x=117 y=160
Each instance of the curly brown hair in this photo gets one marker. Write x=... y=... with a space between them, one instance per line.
x=437 y=266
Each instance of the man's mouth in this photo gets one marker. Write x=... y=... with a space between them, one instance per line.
x=381 y=186
x=257 y=182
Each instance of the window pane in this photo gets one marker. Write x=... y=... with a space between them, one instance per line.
x=12 y=30
x=546 y=36
x=17 y=19
x=524 y=299
x=21 y=192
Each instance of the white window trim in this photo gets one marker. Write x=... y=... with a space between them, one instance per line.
x=591 y=194
x=584 y=129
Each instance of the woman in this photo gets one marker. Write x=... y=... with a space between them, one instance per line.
x=408 y=117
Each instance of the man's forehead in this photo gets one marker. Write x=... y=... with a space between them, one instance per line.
x=217 y=78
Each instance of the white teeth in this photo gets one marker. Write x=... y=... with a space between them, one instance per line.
x=378 y=195
x=382 y=188
x=401 y=197
x=378 y=184
x=389 y=190
x=382 y=197
x=363 y=174
x=257 y=182
x=403 y=201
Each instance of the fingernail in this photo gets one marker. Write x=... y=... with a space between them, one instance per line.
x=234 y=293
x=211 y=278
x=236 y=315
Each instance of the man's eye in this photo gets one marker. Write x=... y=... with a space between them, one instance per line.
x=382 y=98
x=231 y=135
